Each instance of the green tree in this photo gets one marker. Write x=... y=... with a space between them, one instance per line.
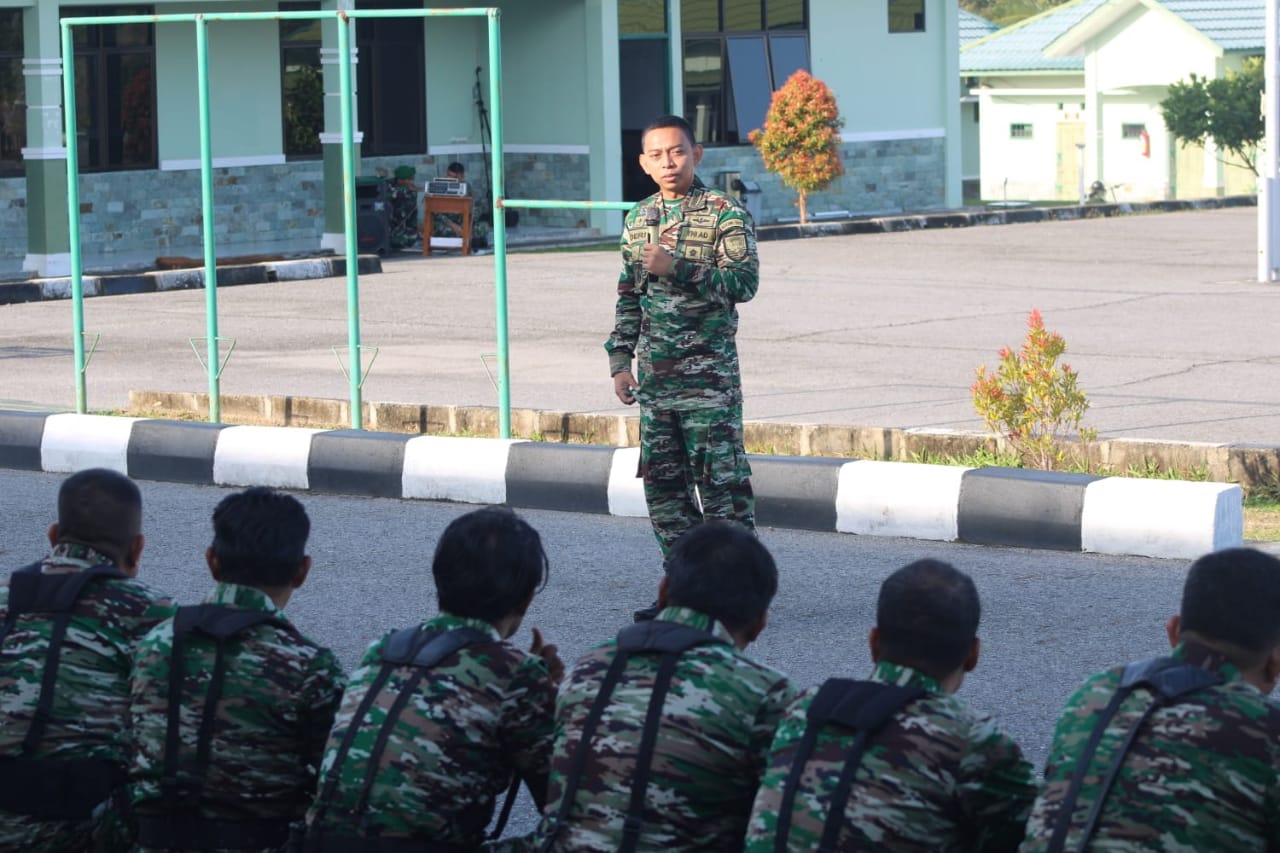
x=1006 y=12
x=800 y=141
x=1226 y=109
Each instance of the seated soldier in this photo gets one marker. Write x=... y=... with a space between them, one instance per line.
x=896 y=762
x=1180 y=752
x=450 y=224
x=439 y=719
x=68 y=626
x=231 y=704
x=661 y=734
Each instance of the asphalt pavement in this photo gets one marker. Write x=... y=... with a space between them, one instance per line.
x=1172 y=336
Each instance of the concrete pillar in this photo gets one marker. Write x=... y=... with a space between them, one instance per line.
x=953 y=141
x=605 y=135
x=334 y=236
x=45 y=157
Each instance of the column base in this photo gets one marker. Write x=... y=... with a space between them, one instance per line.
x=48 y=266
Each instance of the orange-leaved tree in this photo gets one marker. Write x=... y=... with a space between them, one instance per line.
x=800 y=141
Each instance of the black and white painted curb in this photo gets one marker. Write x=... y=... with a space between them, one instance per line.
x=986 y=506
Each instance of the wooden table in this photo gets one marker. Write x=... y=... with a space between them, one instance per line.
x=433 y=204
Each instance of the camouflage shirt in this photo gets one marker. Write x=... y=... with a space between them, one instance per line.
x=937 y=777
x=682 y=327
x=477 y=717
x=91 y=694
x=1204 y=774
x=718 y=720
x=279 y=696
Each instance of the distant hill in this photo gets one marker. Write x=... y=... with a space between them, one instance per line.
x=1006 y=12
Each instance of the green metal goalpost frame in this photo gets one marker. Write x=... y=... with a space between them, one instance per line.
x=213 y=360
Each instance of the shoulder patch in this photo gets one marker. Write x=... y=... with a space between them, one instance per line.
x=735 y=246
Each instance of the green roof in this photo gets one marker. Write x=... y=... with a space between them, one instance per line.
x=974 y=27
x=1237 y=26
x=1020 y=47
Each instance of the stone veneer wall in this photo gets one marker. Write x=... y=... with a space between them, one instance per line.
x=889 y=176
x=147 y=211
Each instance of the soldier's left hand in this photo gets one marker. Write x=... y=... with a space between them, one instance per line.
x=657 y=260
x=550 y=655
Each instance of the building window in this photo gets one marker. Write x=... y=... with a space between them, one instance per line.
x=736 y=54
x=391 y=77
x=301 y=83
x=906 y=16
x=13 y=96
x=1132 y=131
x=1019 y=131
x=115 y=90
x=642 y=17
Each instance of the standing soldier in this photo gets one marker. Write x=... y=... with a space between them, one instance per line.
x=68 y=627
x=896 y=762
x=231 y=704
x=689 y=257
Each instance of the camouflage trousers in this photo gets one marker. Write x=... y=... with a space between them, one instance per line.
x=694 y=469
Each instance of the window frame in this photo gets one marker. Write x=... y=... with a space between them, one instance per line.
x=918 y=18
x=376 y=96
x=1132 y=130
x=286 y=46
x=727 y=127
x=1021 y=130
x=14 y=166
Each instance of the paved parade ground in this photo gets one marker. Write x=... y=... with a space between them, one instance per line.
x=1172 y=336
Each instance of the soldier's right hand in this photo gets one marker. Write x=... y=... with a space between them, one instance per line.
x=624 y=385
x=550 y=655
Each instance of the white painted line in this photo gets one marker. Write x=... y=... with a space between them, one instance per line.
x=899 y=499
x=626 y=490
x=75 y=442
x=1161 y=518
x=263 y=456
x=447 y=468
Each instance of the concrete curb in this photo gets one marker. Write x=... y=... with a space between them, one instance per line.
x=989 y=506
x=986 y=216
x=116 y=284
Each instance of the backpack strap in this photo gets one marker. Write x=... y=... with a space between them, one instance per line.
x=1169 y=680
x=670 y=640
x=416 y=647
x=221 y=623
x=862 y=707
x=32 y=591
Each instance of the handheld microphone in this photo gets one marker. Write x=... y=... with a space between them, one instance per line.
x=652 y=219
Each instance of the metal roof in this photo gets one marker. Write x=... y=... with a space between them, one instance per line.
x=974 y=27
x=1237 y=26
x=1020 y=47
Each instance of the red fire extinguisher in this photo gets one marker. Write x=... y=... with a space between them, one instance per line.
x=1146 y=143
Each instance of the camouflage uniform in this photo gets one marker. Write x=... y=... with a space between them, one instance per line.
x=1203 y=774
x=278 y=699
x=681 y=331
x=477 y=717
x=91 y=693
x=718 y=720
x=937 y=777
x=403 y=199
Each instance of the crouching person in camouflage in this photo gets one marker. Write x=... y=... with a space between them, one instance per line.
x=231 y=704
x=896 y=762
x=440 y=718
x=662 y=733
x=1179 y=752
x=68 y=627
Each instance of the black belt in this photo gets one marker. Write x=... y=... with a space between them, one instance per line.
x=191 y=832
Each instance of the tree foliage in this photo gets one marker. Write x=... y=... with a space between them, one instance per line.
x=1006 y=12
x=1226 y=109
x=800 y=141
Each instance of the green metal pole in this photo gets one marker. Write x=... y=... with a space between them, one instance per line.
x=349 y=215
x=499 y=225
x=544 y=204
x=212 y=357
x=73 y=214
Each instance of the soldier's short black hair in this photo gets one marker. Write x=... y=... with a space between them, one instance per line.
x=487 y=564
x=260 y=537
x=455 y=166
x=1233 y=597
x=670 y=121
x=100 y=508
x=928 y=613
x=721 y=569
